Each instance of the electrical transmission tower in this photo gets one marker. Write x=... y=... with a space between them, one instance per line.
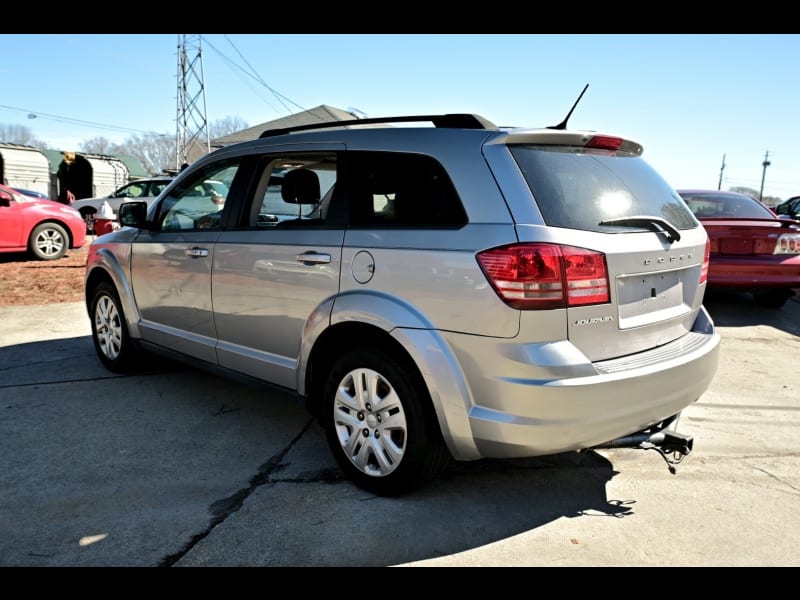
x=192 y=135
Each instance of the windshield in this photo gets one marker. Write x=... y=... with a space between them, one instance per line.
x=580 y=188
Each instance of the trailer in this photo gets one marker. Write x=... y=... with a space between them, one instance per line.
x=90 y=175
x=25 y=167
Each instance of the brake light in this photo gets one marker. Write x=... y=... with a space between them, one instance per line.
x=788 y=243
x=604 y=142
x=542 y=276
x=706 y=258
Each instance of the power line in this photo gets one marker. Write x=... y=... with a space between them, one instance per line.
x=253 y=75
x=33 y=114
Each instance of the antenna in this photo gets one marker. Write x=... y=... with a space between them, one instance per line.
x=192 y=133
x=563 y=124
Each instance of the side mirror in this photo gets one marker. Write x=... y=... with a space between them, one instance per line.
x=133 y=214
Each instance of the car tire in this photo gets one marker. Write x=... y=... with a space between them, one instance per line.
x=772 y=298
x=114 y=346
x=380 y=424
x=48 y=241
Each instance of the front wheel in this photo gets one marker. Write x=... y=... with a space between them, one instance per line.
x=48 y=241
x=114 y=346
x=380 y=424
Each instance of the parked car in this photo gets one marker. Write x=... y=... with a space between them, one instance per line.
x=34 y=193
x=458 y=291
x=789 y=209
x=140 y=189
x=45 y=228
x=752 y=249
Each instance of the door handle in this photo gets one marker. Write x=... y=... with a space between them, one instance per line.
x=196 y=252
x=313 y=258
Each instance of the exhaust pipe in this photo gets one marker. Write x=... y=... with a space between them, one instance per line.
x=671 y=445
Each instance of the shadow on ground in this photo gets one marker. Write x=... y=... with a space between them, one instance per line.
x=178 y=467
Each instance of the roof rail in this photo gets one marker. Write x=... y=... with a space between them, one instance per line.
x=451 y=121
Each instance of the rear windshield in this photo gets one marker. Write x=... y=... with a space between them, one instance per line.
x=721 y=205
x=579 y=188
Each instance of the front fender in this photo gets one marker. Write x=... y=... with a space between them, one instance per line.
x=114 y=262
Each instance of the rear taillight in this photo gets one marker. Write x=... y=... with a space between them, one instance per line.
x=541 y=276
x=788 y=243
x=706 y=258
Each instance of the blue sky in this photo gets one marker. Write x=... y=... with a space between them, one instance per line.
x=692 y=100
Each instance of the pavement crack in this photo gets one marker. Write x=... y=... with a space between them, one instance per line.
x=776 y=478
x=222 y=509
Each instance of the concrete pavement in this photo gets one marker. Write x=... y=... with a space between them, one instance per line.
x=174 y=467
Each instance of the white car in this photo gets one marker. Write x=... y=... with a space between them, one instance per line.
x=141 y=189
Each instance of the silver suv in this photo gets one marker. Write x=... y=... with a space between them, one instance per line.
x=458 y=291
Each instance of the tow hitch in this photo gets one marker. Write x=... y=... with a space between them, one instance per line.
x=671 y=445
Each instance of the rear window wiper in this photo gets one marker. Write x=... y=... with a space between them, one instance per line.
x=656 y=224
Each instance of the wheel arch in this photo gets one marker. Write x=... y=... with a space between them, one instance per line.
x=423 y=352
x=103 y=265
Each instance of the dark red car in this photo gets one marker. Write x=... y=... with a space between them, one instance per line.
x=752 y=250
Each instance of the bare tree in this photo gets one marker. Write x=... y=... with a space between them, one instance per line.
x=98 y=145
x=156 y=153
x=768 y=200
x=20 y=134
x=225 y=126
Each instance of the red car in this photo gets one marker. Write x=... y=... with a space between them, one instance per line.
x=45 y=228
x=752 y=250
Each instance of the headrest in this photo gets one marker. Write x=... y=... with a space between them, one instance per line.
x=300 y=186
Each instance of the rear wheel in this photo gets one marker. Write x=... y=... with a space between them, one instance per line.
x=772 y=298
x=114 y=346
x=379 y=422
x=48 y=241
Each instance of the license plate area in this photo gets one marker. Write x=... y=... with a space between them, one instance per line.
x=650 y=298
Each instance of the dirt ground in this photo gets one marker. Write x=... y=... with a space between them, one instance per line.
x=27 y=281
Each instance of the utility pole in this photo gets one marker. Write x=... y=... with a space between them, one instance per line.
x=192 y=124
x=765 y=164
x=719 y=185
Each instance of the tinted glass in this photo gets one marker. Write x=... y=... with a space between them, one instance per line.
x=397 y=189
x=579 y=188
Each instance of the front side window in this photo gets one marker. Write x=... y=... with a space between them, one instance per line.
x=579 y=188
x=199 y=202
x=134 y=190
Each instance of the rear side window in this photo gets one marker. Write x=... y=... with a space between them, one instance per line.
x=294 y=190
x=579 y=188
x=395 y=189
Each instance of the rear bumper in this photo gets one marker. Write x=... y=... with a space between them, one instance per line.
x=755 y=272
x=586 y=405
